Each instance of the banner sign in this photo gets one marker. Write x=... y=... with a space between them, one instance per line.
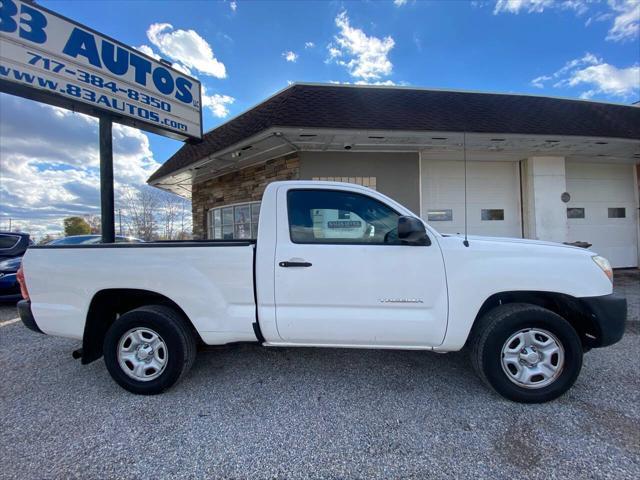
x=52 y=59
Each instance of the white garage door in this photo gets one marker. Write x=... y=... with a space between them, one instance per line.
x=603 y=210
x=493 y=197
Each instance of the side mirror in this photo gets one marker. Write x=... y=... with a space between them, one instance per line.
x=411 y=231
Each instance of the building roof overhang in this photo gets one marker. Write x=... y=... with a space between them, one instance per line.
x=297 y=120
x=278 y=142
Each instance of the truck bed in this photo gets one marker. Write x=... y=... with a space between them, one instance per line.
x=211 y=281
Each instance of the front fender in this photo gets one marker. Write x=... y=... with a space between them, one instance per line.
x=488 y=267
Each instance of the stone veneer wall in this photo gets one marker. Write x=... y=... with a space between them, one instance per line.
x=244 y=185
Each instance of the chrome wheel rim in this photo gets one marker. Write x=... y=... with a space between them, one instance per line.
x=142 y=354
x=532 y=358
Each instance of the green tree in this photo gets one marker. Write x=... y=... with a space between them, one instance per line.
x=94 y=223
x=76 y=226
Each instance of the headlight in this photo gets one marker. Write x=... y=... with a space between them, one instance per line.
x=604 y=264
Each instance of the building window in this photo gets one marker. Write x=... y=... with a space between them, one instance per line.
x=238 y=222
x=574 y=212
x=492 y=214
x=618 y=212
x=444 y=215
x=369 y=182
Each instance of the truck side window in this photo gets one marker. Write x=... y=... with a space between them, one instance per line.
x=334 y=216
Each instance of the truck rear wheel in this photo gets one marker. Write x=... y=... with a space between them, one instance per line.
x=526 y=353
x=149 y=349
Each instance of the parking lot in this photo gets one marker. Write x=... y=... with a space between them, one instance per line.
x=313 y=413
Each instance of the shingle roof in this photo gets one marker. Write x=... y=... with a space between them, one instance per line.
x=384 y=108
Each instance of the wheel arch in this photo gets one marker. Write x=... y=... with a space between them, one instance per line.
x=568 y=307
x=105 y=307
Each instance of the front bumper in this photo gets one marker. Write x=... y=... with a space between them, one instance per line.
x=24 y=310
x=608 y=314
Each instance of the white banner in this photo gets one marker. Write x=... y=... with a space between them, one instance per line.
x=64 y=62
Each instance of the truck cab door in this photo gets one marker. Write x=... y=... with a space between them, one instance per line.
x=342 y=277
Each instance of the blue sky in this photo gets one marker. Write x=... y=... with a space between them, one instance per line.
x=244 y=51
x=445 y=44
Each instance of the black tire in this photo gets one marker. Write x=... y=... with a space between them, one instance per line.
x=492 y=331
x=174 y=330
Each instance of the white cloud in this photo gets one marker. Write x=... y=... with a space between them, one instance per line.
x=233 y=5
x=50 y=156
x=600 y=77
x=586 y=59
x=515 y=6
x=625 y=13
x=147 y=50
x=333 y=53
x=216 y=103
x=290 y=56
x=539 y=81
x=384 y=83
x=578 y=6
x=187 y=48
x=399 y=3
x=538 y=6
x=626 y=25
x=560 y=76
x=598 y=17
x=608 y=80
x=50 y=164
x=181 y=68
x=364 y=57
x=309 y=45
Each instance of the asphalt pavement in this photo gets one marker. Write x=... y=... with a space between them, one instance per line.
x=251 y=412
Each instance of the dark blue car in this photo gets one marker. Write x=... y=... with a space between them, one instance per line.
x=9 y=288
x=12 y=248
x=13 y=244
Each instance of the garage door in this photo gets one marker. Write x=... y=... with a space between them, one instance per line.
x=603 y=210
x=493 y=197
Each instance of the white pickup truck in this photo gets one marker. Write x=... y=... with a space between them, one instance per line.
x=334 y=265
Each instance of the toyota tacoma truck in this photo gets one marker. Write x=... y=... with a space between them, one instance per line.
x=334 y=265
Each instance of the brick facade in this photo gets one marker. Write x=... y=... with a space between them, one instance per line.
x=244 y=185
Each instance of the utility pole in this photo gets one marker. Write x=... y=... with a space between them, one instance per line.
x=120 y=220
x=106 y=181
x=9 y=223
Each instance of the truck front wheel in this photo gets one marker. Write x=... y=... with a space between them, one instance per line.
x=149 y=349
x=526 y=353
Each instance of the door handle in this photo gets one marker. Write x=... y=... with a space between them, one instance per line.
x=294 y=264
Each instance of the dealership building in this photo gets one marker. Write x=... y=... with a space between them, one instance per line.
x=537 y=167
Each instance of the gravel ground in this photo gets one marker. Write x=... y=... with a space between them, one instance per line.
x=8 y=311
x=627 y=283
x=249 y=412
x=310 y=413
